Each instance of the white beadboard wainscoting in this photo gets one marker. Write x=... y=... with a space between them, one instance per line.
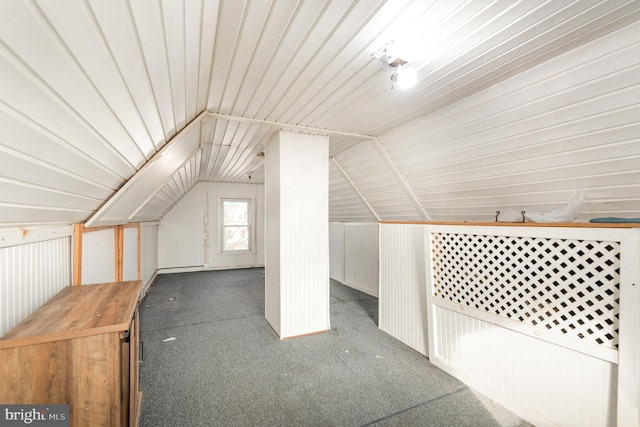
x=35 y=264
x=402 y=303
x=354 y=255
x=543 y=320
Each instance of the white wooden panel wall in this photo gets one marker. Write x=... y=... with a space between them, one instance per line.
x=189 y=235
x=542 y=382
x=402 y=300
x=528 y=142
x=130 y=254
x=32 y=273
x=336 y=251
x=361 y=257
x=98 y=257
x=367 y=168
x=181 y=241
x=344 y=202
x=354 y=255
x=542 y=320
x=148 y=253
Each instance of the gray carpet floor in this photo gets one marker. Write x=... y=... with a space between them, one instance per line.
x=211 y=359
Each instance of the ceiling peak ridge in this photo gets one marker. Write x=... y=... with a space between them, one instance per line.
x=140 y=188
x=288 y=126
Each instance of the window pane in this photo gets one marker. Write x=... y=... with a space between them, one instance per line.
x=235 y=212
x=236 y=239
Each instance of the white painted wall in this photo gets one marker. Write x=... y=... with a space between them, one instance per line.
x=297 y=244
x=354 y=255
x=33 y=268
x=183 y=230
x=189 y=234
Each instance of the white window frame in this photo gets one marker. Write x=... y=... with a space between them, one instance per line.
x=249 y=225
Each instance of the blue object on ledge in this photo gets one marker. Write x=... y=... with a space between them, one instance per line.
x=614 y=220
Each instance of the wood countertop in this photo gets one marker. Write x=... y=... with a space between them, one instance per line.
x=523 y=224
x=78 y=311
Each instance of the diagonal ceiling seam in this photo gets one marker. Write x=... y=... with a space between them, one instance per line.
x=403 y=183
x=355 y=188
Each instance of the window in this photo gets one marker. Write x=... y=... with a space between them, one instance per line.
x=236 y=226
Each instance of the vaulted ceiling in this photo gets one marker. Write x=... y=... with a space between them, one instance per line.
x=112 y=111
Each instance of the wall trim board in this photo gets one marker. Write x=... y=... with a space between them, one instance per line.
x=174 y=270
x=520 y=224
x=23 y=235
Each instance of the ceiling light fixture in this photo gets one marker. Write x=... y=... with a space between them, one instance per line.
x=403 y=76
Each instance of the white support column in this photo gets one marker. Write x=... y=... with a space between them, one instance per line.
x=297 y=234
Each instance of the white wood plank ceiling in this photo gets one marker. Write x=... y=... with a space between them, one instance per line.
x=93 y=94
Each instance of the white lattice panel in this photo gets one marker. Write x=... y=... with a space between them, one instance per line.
x=563 y=285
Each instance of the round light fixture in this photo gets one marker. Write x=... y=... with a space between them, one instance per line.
x=404 y=77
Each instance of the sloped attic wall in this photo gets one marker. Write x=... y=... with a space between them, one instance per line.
x=572 y=122
x=377 y=182
x=345 y=201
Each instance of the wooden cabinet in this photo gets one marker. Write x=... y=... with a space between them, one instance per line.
x=81 y=349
